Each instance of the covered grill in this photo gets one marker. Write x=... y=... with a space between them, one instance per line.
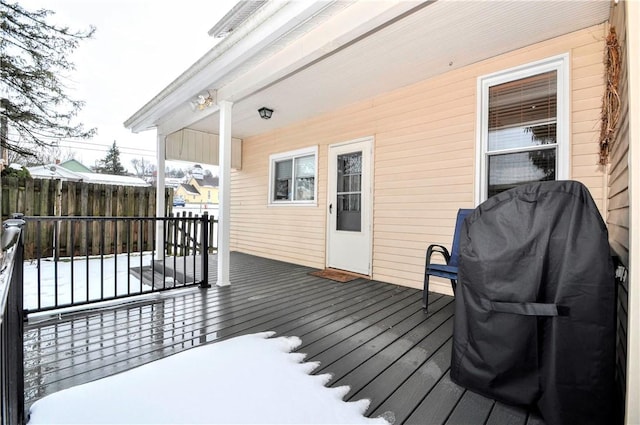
x=535 y=303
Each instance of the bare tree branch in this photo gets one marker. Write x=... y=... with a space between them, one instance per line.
x=34 y=61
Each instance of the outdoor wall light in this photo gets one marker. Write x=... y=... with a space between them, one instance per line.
x=265 y=113
x=203 y=101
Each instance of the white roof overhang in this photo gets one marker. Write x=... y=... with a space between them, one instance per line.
x=304 y=58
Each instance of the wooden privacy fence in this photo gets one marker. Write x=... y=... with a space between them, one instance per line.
x=49 y=197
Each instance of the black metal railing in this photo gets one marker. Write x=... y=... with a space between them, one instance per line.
x=78 y=261
x=12 y=325
x=182 y=233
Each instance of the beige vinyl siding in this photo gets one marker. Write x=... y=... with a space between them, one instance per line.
x=200 y=147
x=424 y=162
x=618 y=206
x=294 y=233
x=586 y=104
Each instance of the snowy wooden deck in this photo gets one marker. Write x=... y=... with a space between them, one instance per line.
x=369 y=335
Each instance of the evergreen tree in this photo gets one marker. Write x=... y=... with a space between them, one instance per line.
x=111 y=163
x=34 y=105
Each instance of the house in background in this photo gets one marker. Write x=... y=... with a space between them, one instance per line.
x=74 y=165
x=172 y=182
x=187 y=192
x=73 y=170
x=200 y=188
x=53 y=171
x=386 y=117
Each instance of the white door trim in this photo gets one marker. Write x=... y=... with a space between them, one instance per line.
x=367 y=199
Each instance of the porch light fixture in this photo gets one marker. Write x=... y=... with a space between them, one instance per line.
x=265 y=113
x=203 y=101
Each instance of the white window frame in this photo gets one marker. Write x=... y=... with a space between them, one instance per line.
x=560 y=64
x=313 y=150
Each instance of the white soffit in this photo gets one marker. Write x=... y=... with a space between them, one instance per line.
x=432 y=40
x=425 y=40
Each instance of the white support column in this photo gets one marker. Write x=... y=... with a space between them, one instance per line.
x=160 y=206
x=224 y=193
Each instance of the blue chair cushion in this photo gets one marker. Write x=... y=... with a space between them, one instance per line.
x=443 y=270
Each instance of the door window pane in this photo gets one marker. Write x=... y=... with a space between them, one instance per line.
x=349 y=186
x=349 y=172
x=349 y=214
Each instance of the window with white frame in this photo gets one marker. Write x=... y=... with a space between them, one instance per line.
x=293 y=176
x=524 y=126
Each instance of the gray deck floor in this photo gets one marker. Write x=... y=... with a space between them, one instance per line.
x=369 y=335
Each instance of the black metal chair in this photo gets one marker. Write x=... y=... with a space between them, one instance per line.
x=449 y=270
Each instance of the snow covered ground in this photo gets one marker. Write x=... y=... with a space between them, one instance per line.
x=86 y=283
x=197 y=209
x=252 y=379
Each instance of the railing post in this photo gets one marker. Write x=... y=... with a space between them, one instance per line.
x=13 y=327
x=204 y=251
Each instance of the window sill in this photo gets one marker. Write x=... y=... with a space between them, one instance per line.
x=292 y=204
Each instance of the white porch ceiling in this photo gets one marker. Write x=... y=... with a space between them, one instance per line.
x=425 y=40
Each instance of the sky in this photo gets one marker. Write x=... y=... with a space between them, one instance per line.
x=251 y=379
x=140 y=46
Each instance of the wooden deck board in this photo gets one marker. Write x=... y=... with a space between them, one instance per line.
x=405 y=397
x=360 y=311
x=502 y=414
x=433 y=333
x=369 y=335
x=328 y=337
x=287 y=308
x=323 y=314
x=438 y=404
x=383 y=343
x=472 y=408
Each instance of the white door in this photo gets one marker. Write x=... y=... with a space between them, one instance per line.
x=349 y=206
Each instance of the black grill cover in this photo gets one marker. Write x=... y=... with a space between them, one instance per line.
x=528 y=254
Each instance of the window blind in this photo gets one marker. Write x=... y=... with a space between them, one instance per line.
x=523 y=112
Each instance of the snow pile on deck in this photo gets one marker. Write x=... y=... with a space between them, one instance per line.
x=252 y=379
